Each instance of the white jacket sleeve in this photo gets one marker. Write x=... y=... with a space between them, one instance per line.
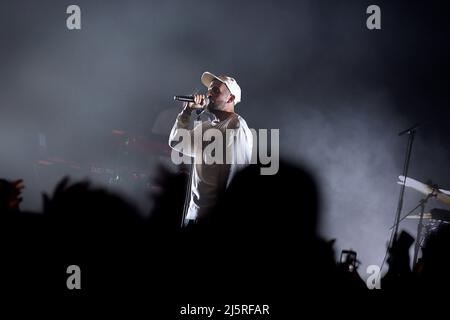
x=181 y=138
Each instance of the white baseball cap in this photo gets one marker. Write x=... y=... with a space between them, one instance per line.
x=208 y=77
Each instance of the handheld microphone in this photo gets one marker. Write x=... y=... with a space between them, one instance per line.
x=184 y=98
x=191 y=99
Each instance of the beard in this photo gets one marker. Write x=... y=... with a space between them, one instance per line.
x=212 y=105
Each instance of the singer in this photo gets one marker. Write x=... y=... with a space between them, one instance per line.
x=210 y=180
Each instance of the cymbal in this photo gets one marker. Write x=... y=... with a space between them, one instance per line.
x=441 y=194
x=417 y=216
x=435 y=214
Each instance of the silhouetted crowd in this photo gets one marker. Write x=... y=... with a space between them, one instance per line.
x=261 y=243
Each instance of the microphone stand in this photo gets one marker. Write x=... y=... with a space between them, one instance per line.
x=187 y=198
x=406 y=215
x=420 y=227
x=411 y=132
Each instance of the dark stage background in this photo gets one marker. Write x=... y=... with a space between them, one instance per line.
x=97 y=102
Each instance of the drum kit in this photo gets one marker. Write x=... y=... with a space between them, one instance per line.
x=429 y=191
x=436 y=217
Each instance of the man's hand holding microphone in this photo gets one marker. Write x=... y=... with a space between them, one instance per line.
x=200 y=102
x=194 y=102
